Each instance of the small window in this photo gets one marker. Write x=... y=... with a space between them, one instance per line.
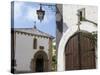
x=81 y=14
x=41 y=47
x=34 y=43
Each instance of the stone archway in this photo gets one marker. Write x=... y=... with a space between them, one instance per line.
x=80 y=52
x=61 y=48
x=40 y=62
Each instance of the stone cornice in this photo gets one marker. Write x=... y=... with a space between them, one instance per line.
x=30 y=34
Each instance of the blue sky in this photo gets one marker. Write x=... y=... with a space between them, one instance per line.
x=25 y=16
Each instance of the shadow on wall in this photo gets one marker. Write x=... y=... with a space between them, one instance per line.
x=65 y=27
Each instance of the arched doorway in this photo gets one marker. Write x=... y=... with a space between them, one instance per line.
x=80 y=52
x=40 y=62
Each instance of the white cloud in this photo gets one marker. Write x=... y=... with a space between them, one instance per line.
x=17 y=9
x=29 y=11
x=49 y=16
x=31 y=14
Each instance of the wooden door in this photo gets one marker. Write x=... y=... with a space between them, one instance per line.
x=39 y=65
x=80 y=52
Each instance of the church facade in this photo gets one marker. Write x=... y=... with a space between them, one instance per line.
x=77 y=46
x=31 y=50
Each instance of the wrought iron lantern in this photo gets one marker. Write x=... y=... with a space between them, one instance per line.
x=40 y=13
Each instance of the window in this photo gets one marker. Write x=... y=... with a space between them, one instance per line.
x=34 y=43
x=81 y=14
x=41 y=47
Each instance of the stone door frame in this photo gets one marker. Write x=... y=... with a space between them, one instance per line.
x=45 y=58
x=61 y=48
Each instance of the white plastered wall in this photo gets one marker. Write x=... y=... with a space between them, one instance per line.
x=24 y=51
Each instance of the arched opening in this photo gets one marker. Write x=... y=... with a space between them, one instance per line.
x=80 y=52
x=40 y=62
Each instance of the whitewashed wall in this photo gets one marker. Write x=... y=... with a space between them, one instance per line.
x=24 y=51
x=70 y=14
x=70 y=19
